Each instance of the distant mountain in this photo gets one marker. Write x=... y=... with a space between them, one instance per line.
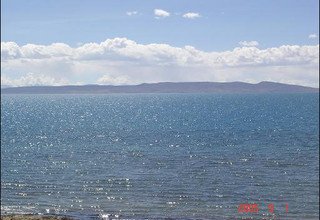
x=165 y=87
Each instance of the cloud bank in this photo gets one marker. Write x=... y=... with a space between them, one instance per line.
x=113 y=80
x=31 y=79
x=123 y=61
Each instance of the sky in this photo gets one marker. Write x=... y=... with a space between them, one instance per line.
x=130 y=42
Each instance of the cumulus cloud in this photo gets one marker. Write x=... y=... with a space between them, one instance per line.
x=313 y=36
x=161 y=13
x=128 y=62
x=32 y=79
x=130 y=13
x=191 y=15
x=248 y=43
x=10 y=50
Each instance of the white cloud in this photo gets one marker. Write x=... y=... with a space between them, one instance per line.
x=191 y=15
x=32 y=79
x=130 y=13
x=10 y=50
x=248 y=43
x=113 y=80
x=128 y=62
x=161 y=13
x=313 y=36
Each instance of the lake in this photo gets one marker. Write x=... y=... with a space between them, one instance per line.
x=158 y=156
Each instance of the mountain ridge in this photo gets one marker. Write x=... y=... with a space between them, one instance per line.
x=165 y=87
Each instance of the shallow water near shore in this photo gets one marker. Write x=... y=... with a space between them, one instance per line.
x=158 y=156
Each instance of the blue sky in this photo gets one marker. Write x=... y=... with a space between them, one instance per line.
x=56 y=42
x=221 y=26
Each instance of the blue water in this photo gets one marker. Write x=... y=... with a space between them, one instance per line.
x=156 y=156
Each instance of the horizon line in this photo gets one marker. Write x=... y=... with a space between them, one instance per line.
x=150 y=83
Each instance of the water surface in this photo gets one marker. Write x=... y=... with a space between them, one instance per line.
x=155 y=156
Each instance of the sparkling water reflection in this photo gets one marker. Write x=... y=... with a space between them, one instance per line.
x=183 y=156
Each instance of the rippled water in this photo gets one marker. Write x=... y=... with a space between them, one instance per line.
x=180 y=156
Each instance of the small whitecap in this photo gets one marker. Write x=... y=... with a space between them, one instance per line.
x=105 y=216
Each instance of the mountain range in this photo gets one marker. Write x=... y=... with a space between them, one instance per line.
x=165 y=87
